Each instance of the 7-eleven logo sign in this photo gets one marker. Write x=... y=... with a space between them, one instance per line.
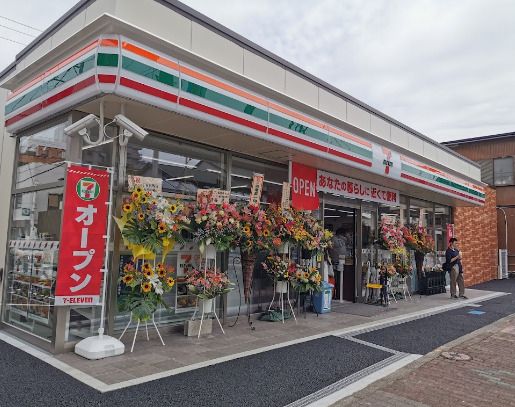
x=387 y=161
x=88 y=189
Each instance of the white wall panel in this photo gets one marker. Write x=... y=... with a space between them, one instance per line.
x=157 y=19
x=99 y=7
x=263 y=71
x=358 y=117
x=39 y=52
x=380 y=127
x=216 y=48
x=70 y=28
x=400 y=137
x=301 y=90
x=331 y=104
x=416 y=145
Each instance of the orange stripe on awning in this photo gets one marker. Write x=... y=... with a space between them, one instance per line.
x=150 y=55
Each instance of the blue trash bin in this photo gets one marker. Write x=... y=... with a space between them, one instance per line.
x=322 y=299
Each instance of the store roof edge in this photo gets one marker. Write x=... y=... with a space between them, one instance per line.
x=211 y=24
x=479 y=139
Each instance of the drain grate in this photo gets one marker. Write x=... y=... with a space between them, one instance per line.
x=456 y=356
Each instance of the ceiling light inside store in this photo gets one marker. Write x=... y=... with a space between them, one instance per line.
x=240 y=176
x=215 y=171
x=177 y=178
x=332 y=216
x=240 y=186
x=173 y=163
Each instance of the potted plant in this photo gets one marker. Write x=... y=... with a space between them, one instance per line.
x=391 y=237
x=147 y=285
x=306 y=279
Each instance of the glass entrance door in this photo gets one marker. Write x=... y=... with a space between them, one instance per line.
x=341 y=220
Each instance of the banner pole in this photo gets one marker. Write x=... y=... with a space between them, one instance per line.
x=106 y=252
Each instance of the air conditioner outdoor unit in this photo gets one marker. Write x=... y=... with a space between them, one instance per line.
x=503 y=264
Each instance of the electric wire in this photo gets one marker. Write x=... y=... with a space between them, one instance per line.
x=16 y=42
x=18 y=31
x=17 y=22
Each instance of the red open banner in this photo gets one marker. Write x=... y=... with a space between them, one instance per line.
x=82 y=247
x=304 y=194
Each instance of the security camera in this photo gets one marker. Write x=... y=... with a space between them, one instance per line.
x=129 y=127
x=82 y=126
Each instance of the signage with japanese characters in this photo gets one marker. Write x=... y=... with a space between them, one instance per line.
x=304 y=194
x=353 y=188
x=83 y=238
x=215 y=196
x=148 y=183
x=256 y=189
x=285 y=198
x=450 y=231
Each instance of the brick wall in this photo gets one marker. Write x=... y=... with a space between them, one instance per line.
x=476 y=230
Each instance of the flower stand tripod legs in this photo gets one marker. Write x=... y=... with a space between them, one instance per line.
x=281 y=288
x=208 y=307
x=137 y=329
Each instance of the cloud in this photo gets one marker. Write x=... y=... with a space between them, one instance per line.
x=444 y=68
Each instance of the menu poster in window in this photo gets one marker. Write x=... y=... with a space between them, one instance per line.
x=285 y=198
x=256 y=189
x=148 y=183
x=83 y=236
x=215 y=196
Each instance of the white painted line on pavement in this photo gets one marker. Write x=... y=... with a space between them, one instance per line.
x=364 y=382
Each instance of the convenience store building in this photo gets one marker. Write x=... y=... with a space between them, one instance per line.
x=218 y=108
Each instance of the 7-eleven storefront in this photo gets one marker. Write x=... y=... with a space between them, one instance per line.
x=208 y=128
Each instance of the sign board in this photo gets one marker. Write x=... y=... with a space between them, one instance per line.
x=285 y=197
x=256 y=189
x=304 y=194
x=148 y=183
x=450 y=231
x=216 y=196
x=353 y=188
x=83 y=238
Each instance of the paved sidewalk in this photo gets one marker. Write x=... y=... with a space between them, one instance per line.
x=488 y=379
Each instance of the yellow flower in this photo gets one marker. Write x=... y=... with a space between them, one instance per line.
x=146 y=287
x=173 y=208
x=161 y=228
x=170 y=281
x=246 y=230
x=248 y=243
x=147 y=267
x=161 y=272
x=127 y=279
x=141 y=216
x=127 y=208
x=266 y=233
x=135 y=196
x=139 y=190
x=148 y=273
x=144 y=199
x=166 y=242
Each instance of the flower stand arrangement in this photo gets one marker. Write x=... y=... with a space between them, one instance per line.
x=305 y=281
x=281 y=271
x=148 y=283
x=150 y=224
x=421 y=242
x=386 y=273
x=207 y=285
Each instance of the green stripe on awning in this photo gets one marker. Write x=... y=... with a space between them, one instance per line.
x=150 y=72
x=71 y=73
x=440 y=180
x=107 y=59
x=224 y=100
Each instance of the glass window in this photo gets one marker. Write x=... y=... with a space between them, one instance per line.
x=41 y=157
x=183 y=167
x=101 y=155
x=32 y=261
x=241 y=179
x=421 y=213
x=503 y=171
x=442 y=218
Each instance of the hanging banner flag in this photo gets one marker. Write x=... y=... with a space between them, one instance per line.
x=256 y=189
x=82 y=247
x=285 y=198
x=304 y=194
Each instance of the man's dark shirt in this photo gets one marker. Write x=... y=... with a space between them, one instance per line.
x=449 y=254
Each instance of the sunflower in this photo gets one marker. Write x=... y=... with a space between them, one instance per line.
x=139 y=190
x=127 y=207
x=148 y=273
x=173 y=208
x=127 y=279
x=266 y=233
x=141 y=216
x=147 y=267
x=144 y=199
x=135 y=196
x=170 y=281
x=161 y=228
x=248 y=243
x=246 y=229
x=146 y=287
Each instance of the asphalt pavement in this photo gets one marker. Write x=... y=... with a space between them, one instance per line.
x=273 y=378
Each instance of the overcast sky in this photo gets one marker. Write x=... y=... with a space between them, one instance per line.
x=445 y=68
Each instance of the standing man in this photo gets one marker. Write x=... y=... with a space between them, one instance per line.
x=453 y=260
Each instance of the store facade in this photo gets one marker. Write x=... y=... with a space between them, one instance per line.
x=210 y=126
